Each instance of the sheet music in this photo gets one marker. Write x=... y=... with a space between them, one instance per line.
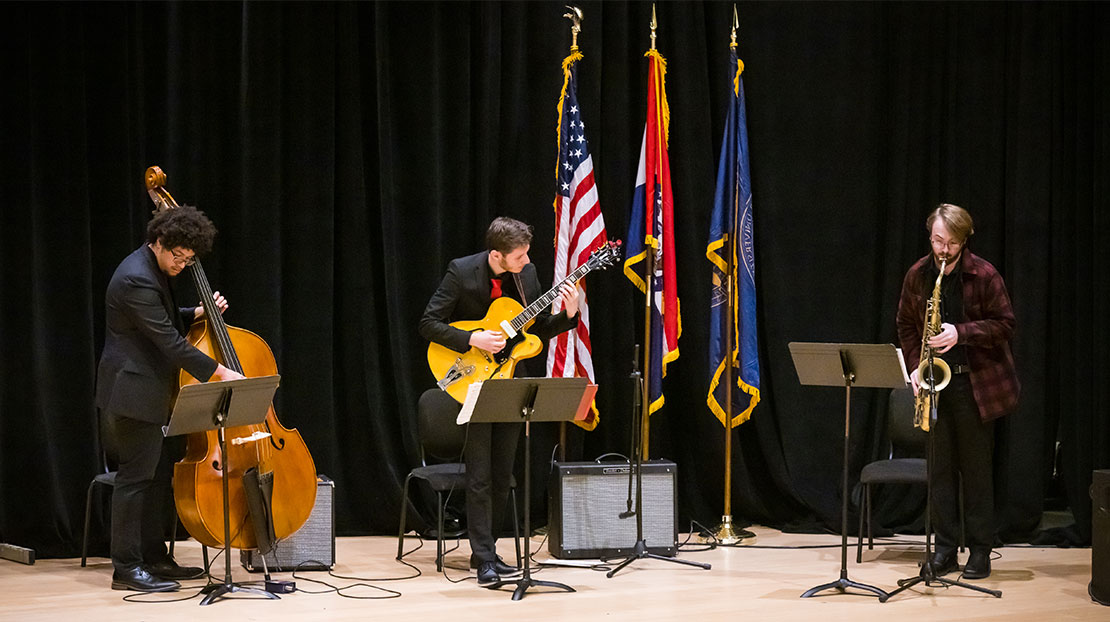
x=472 y=398
x=902 y=362
x=587 y=401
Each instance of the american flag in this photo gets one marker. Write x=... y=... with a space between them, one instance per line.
x=579 y=230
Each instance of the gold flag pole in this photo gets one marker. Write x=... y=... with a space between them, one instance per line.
x=725 y=532
x=649 y=273
x=636 y=458
x=575 y=17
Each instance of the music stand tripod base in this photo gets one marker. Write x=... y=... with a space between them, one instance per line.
x=221 y=590
x=842 y=584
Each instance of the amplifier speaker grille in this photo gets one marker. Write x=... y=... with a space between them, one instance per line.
x=586 y=499
x=312 y=547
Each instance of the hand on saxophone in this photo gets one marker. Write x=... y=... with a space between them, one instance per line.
x=945 y=339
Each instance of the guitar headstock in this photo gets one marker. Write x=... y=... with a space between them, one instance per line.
x=606 y=255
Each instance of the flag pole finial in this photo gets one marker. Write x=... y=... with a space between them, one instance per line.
x=575 y=16
x=735 y=26
x=654 y=25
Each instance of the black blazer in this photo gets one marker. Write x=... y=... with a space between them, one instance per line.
x=464 y=295
x=144 y=343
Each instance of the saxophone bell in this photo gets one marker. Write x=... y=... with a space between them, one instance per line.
x=940 y=373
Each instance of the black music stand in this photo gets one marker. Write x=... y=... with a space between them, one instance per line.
x=526 y=399
x=216 y=406
x=848 y=365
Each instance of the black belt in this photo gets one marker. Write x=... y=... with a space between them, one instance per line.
x=959 y=369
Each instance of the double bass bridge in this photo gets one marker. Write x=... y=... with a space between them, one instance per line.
x=256 y=436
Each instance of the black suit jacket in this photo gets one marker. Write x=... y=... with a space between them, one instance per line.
x=144 y=343
x=464 y=295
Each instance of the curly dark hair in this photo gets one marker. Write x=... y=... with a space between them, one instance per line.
x=182 y=227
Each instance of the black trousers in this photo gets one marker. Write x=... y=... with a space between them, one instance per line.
x=142 y=499
x=963 y=447
x=489 y=456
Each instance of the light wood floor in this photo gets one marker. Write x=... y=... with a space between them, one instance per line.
x=760 y=581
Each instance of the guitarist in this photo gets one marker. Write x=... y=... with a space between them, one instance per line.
x=468 y=288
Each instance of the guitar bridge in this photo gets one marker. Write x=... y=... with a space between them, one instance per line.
x=454 y=374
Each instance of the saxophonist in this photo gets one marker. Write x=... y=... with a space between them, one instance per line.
x=974 y=340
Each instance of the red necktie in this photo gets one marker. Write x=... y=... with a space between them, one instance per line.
x=494 y=288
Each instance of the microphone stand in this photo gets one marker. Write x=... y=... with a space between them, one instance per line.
x=640 y=550
x=637 y=395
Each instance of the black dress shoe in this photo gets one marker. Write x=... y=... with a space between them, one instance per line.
x=487 y=575
x=139 y=580
x=978 y=565
x=169 y=569
x=503 y=570
x=942 y=563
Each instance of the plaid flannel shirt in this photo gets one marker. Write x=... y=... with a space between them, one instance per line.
x=986 y=330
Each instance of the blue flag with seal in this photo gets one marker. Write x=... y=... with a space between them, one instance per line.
x=733 y=342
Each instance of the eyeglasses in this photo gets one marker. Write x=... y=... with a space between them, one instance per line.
x=939 y=243
x=182 y=259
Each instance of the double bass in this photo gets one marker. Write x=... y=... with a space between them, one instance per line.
x=268 y=446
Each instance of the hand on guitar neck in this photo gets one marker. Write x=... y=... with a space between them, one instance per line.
x=569 y=293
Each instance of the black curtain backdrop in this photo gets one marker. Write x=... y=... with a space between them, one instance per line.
x=348 y=151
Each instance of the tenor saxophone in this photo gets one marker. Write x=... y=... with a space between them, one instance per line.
x=930 y=384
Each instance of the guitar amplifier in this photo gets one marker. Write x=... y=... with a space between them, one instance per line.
x=585 y=500
x=312 y=547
